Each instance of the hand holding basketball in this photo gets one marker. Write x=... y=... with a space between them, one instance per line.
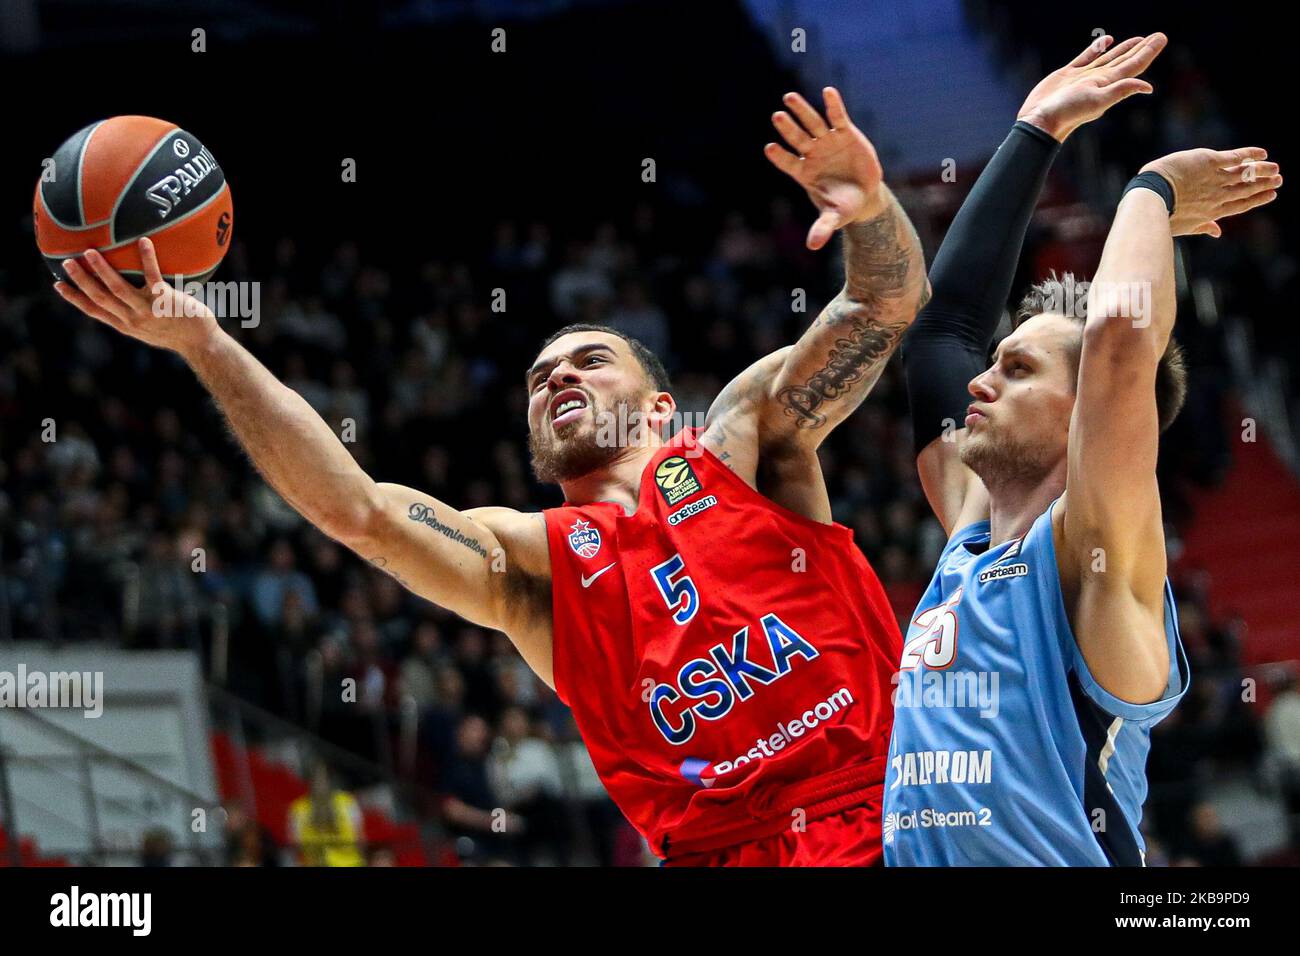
x=159 y=314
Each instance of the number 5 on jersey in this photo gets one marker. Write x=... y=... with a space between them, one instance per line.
x=677 y=588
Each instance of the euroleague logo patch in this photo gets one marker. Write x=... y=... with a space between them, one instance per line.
x=584 y=539
x=676 y=479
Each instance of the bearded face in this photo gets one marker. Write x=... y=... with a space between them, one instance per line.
x=587 y=434
x=1000 y=456
x=588 y=401
x=1017 y=427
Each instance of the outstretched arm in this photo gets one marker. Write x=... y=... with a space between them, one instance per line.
x=787 y=403
x=456 y=559
x=976 y=263
x=1111 y=508
x=836 y=362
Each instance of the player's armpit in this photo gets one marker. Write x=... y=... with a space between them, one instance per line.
x=488 y=565
x=1120 y=635
x=738 y=431
x=731 y=428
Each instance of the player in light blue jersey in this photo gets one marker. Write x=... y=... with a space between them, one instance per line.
x=1046 y=645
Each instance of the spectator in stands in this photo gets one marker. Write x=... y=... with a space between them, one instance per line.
x=248 y=843
x=635 y=315
x=156 y=848
x=281 y=575
x=167 y=597
x=326 y=824
x=470 y=807
x=525 y=778
x=600 y=817
x=419 y=673
x=1282 y=729
x=381 y=856
x=1209 y=844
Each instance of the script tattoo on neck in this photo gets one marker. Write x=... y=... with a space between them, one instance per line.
x=877 y=270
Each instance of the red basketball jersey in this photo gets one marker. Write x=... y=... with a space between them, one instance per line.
x=727 y=661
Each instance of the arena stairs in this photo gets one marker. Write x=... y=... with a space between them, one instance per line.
x=28 y=853
x=1244 y=534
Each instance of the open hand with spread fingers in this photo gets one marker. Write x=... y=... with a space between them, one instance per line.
x=1090 y=84
x=833 y=161
x=1210 y=184
x=158 y=314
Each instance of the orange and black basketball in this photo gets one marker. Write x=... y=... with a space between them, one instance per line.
x=132 y=176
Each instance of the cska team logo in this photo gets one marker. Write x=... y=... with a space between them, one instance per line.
x=584 y=539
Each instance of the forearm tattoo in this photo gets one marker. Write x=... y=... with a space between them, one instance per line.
x=880 y=274
x=856 y=357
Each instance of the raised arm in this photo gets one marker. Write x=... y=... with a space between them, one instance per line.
x=1112 y=551
x=976 y=263
x=483 y=565
x=776 y=413
x=835 y=363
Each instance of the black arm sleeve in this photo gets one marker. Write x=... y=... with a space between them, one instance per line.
x=948 y=345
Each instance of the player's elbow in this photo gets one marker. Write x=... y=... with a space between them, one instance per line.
x=1121 y=340
x=1128 y=317
x=356 y=522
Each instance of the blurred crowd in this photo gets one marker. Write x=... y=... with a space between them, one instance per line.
x=127 y=515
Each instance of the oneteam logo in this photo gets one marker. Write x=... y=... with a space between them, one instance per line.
x=1003 y=571
x=692 y=509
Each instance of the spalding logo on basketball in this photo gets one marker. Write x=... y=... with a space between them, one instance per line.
x=676 y=479
x=132 y=176
x=584 y=539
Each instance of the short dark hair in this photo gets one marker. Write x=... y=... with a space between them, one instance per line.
x=1171 y=375
x=650 y=364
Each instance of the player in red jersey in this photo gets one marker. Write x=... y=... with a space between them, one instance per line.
x=725 y=648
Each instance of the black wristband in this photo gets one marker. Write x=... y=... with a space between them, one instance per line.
x=1156 y=183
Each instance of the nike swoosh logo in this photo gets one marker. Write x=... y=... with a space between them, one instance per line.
x=586 y=581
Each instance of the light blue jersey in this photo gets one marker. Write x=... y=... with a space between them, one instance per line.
x=1005 y=751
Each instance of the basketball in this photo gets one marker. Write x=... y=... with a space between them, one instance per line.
x=126 y=177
